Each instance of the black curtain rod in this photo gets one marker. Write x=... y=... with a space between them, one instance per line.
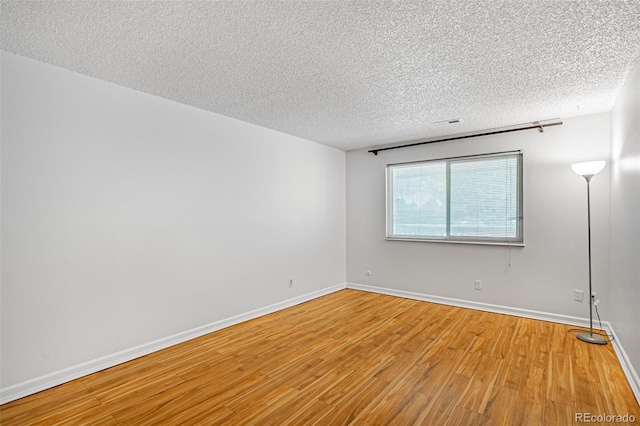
x=540 y=128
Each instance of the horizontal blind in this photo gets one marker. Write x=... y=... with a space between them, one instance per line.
x=484 y=198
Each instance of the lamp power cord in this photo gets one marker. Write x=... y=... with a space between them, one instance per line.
x=600 y=331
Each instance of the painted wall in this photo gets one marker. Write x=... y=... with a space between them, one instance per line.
x=625 y=218
x=543 y=274
x=127 y=218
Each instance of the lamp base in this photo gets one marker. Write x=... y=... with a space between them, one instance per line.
x=590 y=337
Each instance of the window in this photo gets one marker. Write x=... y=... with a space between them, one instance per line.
x=474 y=199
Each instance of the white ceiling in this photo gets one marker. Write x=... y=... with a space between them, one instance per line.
x=348 y=74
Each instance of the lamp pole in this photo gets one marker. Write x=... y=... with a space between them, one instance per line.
x=590 y=337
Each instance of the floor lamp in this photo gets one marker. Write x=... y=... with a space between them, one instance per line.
x=588 y=170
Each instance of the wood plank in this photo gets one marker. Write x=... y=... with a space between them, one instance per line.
x=351 y=358
x=64 y=401
x=171 y=406
x=305 y=411
x=265 y=405
x=351 y=398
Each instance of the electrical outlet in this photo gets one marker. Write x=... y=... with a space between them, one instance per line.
x=290 y=282
x=594 y=297
x=578 y=295
x=478 y=284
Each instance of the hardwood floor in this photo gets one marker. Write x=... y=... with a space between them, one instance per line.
x=352 y=358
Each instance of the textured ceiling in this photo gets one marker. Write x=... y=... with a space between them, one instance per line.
x=348 y=74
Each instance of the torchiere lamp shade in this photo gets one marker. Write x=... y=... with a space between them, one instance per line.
x=588 y=168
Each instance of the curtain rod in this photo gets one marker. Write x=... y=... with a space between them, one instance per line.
x=538 y=126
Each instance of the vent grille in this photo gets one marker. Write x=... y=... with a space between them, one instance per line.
x=446 y=122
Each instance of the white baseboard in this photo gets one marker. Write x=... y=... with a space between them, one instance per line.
x=498 y=309
x=627 y=368
x=56 y=378
x=625 y=363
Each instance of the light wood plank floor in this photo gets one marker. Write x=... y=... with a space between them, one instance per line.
x=351 y=358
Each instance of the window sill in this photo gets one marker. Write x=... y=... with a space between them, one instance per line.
x=487 y=243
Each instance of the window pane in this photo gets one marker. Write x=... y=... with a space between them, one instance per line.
x=484 y=198
x=419 y=200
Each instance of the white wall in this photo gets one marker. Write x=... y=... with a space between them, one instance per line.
x=543 y=274
x=128 y=218
x=625 y=218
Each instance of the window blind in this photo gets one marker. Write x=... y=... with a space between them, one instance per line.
x=473 y=199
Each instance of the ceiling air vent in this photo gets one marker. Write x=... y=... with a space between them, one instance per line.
x=445 y=122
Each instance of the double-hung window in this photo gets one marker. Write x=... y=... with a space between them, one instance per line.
x=476 y=199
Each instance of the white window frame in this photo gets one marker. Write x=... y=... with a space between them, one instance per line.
x=517 y=241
